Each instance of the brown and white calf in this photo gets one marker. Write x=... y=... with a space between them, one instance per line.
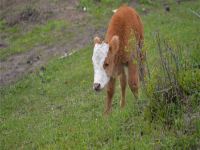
x=112 y=56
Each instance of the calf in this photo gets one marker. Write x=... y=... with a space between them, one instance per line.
x=120 y=50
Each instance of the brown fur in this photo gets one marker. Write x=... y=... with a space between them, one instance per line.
x=125 y=24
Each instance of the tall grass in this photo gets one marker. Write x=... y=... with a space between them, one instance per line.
x=173 y=89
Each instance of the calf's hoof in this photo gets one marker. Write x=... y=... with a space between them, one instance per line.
x=122 y=103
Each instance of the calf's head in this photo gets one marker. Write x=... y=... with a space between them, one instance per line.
x=104 y=61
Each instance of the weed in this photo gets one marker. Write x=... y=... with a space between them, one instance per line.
x=169 y=89
x=29 y=14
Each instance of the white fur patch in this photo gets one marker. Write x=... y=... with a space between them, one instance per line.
x=114 y=11
x=99 y=54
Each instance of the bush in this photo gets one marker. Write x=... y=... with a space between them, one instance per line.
x=174 y=93
x=171 y=84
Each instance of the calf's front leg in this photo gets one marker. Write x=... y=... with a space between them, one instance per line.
x=110 y=93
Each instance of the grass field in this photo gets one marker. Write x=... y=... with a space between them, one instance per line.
x=20 y=41
x=56 y=108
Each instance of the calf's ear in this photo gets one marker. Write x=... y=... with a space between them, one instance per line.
x=97 y=40
x=114 y=44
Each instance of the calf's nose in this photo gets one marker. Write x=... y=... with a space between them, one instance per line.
x=96 y=86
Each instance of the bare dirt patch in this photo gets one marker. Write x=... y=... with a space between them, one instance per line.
x=38 y=11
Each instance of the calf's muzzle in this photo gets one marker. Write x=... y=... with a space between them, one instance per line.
x=97 y=86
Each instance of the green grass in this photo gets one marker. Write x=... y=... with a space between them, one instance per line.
x=101 y=9
x=19 y=41
x=57 y=108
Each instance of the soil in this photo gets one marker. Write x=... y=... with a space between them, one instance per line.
x=17 y=66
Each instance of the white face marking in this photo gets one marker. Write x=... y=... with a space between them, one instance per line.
x=99 y=54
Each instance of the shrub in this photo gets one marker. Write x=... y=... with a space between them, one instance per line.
x=171 y=84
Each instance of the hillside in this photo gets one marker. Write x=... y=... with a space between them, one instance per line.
x=49 y=102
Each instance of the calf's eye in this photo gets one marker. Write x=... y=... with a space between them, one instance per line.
x=105 y=65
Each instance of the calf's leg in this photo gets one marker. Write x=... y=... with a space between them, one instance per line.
x=110 y=93
x=123 y=88
x=142 y=66
x=133 y=78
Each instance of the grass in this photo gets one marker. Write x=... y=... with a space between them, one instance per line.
x=49 y=113
x=20 y=41
x=55 y=108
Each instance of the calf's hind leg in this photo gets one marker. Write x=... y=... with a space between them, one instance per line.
x=123 y=88
x=133 y=78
